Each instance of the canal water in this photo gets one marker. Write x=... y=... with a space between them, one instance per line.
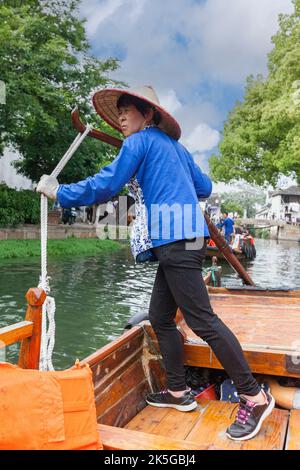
x=95 y=296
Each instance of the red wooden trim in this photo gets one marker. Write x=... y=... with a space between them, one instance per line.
x=29 y=356
x=16 y=332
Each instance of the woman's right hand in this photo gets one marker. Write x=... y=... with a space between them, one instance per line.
x=48 y=185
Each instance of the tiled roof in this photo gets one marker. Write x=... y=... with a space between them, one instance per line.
x=291 y=191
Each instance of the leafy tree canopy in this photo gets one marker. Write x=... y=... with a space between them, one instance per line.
x=47 y=69
x=243 y=200
x=261 y=137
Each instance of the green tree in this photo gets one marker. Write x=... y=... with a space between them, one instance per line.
x=47 y=69
x=243 y=200
x=231 y=206
x=261 y=137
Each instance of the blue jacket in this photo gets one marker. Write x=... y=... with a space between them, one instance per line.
x=165 y=182
x=228 y=223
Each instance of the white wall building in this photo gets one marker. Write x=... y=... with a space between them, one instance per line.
x=213 y=206
x=264 y=213
x=282 y=205
x=8 y=173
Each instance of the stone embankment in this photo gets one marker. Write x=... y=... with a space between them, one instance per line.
x=32 y=232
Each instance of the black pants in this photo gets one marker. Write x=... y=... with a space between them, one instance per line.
x=179 y=283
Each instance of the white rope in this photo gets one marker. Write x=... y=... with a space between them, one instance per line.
x=48 y=312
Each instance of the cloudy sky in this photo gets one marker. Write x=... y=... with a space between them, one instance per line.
x=195 y=53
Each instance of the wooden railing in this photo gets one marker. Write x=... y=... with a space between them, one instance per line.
x=27 y=331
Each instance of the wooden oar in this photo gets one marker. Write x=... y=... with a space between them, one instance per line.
x=223 y=246
x=214 y=233
x=108 y=139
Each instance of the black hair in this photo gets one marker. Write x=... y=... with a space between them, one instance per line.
x=141 y=105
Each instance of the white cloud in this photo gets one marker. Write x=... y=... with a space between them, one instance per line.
x=201 y=160
x=193 y=112
x=202 y=138
x=137 y=7
x=97 y=12
x=182 y=41
x=196 y=54
x=235 y=36
x=170 y=101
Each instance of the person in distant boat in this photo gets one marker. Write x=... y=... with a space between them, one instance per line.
x=247 y=236
x=169 y=228
x=248 y=245
x=228 y=224
x=236 y=242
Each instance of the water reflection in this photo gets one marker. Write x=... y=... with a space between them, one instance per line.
x=95 y=296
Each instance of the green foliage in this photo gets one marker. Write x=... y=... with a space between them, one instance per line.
x=18 y=207
x=262 y=233
x=261 y=138
x=243 y=200
x=57 y=248
x=47 y=69
x=231 y=206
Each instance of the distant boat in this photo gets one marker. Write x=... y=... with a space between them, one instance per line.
x=247 y=250
x=214 y=251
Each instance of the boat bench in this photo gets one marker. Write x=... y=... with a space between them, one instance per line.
x=114 y=438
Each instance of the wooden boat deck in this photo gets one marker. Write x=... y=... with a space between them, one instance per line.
x=206 y=427
x=293 y=434
x=266 y=322
x=267 y=326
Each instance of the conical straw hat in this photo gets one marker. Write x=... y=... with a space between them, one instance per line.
x=105 y=103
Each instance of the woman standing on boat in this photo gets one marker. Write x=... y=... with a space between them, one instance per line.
x=169 y=228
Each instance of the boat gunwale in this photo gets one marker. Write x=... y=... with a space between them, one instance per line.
x=112 y=346
x=253 y=292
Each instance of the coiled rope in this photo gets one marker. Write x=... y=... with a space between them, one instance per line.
x=48 y=312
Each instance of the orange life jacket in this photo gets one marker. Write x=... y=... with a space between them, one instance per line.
x=47 y=410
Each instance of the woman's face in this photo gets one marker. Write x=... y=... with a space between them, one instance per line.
x=131 y=120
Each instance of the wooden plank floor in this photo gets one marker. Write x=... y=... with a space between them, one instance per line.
x=266 y=321
x=206 y=426
x=267 y=327
x=293 y=436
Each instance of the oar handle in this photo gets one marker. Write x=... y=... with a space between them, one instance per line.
x=80 y=127
x=71 y=150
